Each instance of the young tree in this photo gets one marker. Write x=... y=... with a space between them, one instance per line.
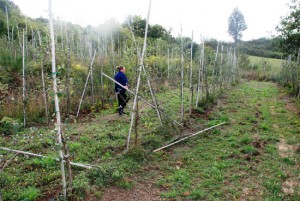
x=236 y=25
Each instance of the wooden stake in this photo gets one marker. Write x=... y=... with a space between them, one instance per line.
x=24 y=84
x=41 y=156
x=57 y=111
x=139 y=77
x=182 y=78
x=85 y=85
x=191 y=79
x=188 y=137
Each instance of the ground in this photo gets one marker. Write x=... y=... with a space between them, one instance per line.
x=255 y=156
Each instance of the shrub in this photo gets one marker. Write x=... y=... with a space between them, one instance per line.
x=31 y=193
x=9 y=126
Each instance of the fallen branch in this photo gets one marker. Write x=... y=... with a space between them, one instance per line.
x=39 y=155
x=188 y=137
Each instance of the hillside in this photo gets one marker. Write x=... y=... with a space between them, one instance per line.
x=261 y=47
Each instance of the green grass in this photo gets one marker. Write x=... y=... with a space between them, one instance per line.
x=221 y=164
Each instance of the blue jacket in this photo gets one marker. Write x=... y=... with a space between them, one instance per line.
x=122 y=79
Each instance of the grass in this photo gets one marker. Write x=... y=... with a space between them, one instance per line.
x=264 y=68
x=238 y=160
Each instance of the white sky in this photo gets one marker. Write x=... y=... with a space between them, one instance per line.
x=206 y=17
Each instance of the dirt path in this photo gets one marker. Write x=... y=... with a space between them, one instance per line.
x=256 y=156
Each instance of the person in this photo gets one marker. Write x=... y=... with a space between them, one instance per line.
x=121 y=92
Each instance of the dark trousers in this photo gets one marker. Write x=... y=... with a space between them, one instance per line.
x=122 y=99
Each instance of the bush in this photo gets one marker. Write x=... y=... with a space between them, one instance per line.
x=9 y=126
x=80 y=185
x=31 y=193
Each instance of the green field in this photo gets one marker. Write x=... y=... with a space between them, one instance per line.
x=273 y=66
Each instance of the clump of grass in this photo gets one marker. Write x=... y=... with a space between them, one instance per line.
x=197 y=194
x=136 y=153
x=247 y=149
x=246 y=140
x=30 y=193
x=288 y=161
x=152 y=141
x=80 y=185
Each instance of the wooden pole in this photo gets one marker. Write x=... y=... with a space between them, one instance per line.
x=148 y=79
x=8 y=37
x=43 y=82
x=139 y=78
x=41 y=156
x=182 y=78
x=188 y=137
x=24 y=83
x=57 y=111
x=191 y=79
x=85 y=85
x=199 y=76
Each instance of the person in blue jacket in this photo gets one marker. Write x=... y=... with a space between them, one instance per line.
x=121 y=91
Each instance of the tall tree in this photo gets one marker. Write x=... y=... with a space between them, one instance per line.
x=289 y=29
x=236 y=25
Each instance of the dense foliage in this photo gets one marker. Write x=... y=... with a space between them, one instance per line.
x=289 y=29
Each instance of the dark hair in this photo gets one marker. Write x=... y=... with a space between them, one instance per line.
x=119 y=68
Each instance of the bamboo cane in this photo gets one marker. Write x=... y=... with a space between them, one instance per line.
x=41 y=156
x=168 y=65
x=148 y=80
x=182 y=78
x=139 y=78
x=188 y=137
x=8 y=37
x=58 y=121
x=214 y=72
x=43 y=82
x=221 y=67
x=199 y=75
x=191 y=79
x=85 y=85
x=24 y=83
x=202 y=67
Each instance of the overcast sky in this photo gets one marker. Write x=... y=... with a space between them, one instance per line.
x=206 y=17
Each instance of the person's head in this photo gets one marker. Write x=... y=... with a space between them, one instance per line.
x=121 y=69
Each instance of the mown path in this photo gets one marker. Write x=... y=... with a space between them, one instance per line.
x=255 y=156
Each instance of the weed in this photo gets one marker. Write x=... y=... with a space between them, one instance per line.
x=30 y=193
x=247 y=149
x=80 y=185
x=136 y=153
x=288 y=161
x=246 y=140
x=197 y=194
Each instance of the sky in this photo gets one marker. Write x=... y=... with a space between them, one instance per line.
x=207 y=18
